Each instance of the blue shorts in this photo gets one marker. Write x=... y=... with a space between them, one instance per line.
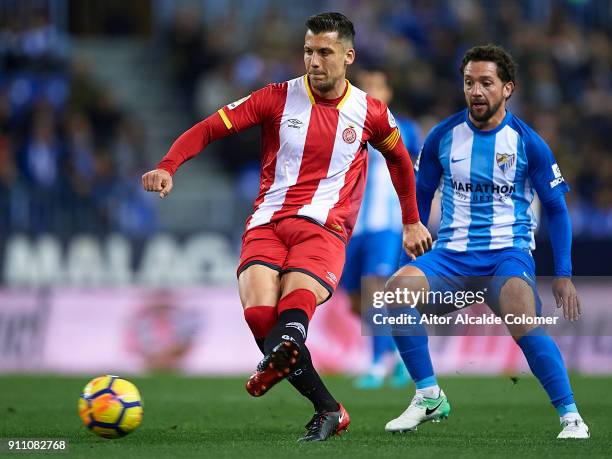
x=449 y=270
x=370 y=254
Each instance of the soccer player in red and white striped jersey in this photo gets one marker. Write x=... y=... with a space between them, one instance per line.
x=315 y=131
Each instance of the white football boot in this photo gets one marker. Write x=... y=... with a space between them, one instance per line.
x=574 y=428
x=421 y=409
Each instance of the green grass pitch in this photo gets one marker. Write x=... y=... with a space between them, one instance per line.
x=215 y=417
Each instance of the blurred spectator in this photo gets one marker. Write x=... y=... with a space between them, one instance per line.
x=69 y=155
x=105 y=117
x=42 y=154
x=84 y=91
x=30 y=42
x=189 y=55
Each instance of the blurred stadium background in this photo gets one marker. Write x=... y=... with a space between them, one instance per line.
x=97 y=276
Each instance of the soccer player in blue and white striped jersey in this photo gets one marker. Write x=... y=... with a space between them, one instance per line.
x=488 y=164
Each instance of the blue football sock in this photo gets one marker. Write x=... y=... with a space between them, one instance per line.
x=546 y=363
x=380 y=346
x=565 y=409
x=412 y=344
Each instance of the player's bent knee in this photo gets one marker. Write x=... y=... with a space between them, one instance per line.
x=515 y=285
x=258 y=286
x=264 y=296
x=296 y=280
x=257 y=300
x=259 y=294
x=517 y=298
x=407 y=277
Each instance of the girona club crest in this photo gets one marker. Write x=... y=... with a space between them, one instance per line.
x=349 y=135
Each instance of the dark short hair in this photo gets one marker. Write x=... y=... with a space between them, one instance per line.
x=332 y=22
x=506 y=67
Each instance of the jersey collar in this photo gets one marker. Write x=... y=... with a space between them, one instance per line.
x=342 y=99
x=504 y=122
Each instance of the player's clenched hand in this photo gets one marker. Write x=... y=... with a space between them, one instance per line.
x=566 y=297
x=158 y=180
x=417 y=239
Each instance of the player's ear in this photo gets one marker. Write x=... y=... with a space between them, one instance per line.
x=508 y=89
x=349 y=56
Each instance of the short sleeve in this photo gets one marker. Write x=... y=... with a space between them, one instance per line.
x=249 y=111
x=544 y=172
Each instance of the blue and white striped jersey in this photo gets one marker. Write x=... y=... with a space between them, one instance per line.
x=487 y=181
x=380 y=208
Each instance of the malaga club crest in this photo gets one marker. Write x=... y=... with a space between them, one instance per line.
x=505 y=160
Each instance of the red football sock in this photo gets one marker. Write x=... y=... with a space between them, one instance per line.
x=260 y=319
x=299 y=299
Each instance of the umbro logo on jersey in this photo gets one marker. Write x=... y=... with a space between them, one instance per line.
x=456 y=160
x=294 y=123
x=331 y=277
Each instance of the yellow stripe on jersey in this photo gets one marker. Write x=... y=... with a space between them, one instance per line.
x=389 y=143
x=346 y=95
x=312 y=99
x=226 y=121
x=308 y=91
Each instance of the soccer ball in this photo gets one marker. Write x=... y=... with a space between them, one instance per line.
x=110 y=406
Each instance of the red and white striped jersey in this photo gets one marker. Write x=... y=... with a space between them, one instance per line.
x=314 y=154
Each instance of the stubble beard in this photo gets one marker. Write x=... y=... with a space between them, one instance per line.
x=487 y=115
x=323 y=86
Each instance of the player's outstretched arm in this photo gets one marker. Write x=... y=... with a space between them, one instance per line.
x=158 y=180
x=560 y=234
x=188 y=145
x=193 y=141
x=235 y=117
